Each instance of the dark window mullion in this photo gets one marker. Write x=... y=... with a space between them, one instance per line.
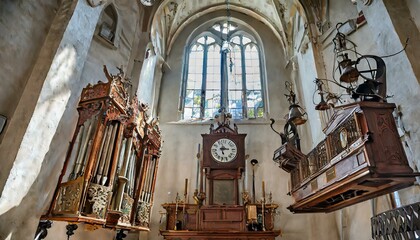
x=244 y=101
x=223 y=80
x=181 y=104
x=204 y=82
x=263 y=96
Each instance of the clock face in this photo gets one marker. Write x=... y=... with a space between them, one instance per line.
x=224 y=150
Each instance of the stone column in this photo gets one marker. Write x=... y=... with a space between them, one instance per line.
x=32 y=149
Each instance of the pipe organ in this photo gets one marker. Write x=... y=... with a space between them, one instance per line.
x=110 y=169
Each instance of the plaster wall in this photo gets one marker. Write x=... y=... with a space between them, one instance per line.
x=138 y=58
x=305 y=83
x=41 y=121
x=24 y=26
x=147 y=76
x=103 y=53
x=181 y=140
x=402 y=83
x=414 y=7
x=403 y=73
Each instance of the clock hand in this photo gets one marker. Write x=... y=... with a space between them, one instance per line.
x=223 y=148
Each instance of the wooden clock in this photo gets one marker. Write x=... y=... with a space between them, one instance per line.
x=221 y=216
x=223 y=161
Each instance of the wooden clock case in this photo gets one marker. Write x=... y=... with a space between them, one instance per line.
x=223 y=176
x=221 y=216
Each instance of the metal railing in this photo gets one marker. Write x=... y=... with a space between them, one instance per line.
x=400 y=224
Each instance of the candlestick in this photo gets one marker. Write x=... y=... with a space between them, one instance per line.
x=176 y=210
x=246 y=177
x=186 y=187
x=198 y=167
x=201 y=181
x=263 y=189
x=243 y=184
x=204 y=181
x=253 y=163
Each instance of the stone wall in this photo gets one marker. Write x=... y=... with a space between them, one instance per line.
x=24 y=26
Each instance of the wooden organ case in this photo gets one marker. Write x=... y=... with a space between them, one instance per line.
x=361 y=158
x=109 y=174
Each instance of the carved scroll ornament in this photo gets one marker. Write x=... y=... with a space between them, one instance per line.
x=98 y=196
x=126 y=206
x=143 y=214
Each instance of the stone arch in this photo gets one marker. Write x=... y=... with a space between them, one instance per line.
x=108 y=26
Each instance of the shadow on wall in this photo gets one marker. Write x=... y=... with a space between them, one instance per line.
x=20 y=221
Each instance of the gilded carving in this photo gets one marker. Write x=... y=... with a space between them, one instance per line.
x=143 y=213
x=68 y=198
x=98 y=196
x=126 y=205
x=89 y=110
x=99 y=90
x=113 y=113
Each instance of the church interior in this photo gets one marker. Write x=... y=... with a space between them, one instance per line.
x=210 y=119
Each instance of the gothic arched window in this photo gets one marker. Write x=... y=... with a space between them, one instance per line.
x=107 y=25
x=223 y=69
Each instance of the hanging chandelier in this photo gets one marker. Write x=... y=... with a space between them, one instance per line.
x=225 y=29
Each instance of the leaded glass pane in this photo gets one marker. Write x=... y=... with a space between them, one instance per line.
x=213 y=81
x=212 y=103
x=210 y=40
x=255 y=104
x=235 y=69
x=192 y=101
x=216 y=27
x=235 y=103
x=236 y=40
x=245 y=40
x=243 y=77
x=201 y=40
x=192 y=104
x=254 y=99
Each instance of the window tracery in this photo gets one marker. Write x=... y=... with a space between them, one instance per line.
x=223 y=69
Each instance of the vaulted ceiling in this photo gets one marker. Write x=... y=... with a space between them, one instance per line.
x=172 y=16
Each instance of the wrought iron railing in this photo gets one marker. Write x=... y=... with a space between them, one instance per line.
x=400 y=223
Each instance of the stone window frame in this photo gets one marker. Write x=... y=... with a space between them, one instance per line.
x=108 y=22
x=212 y=32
